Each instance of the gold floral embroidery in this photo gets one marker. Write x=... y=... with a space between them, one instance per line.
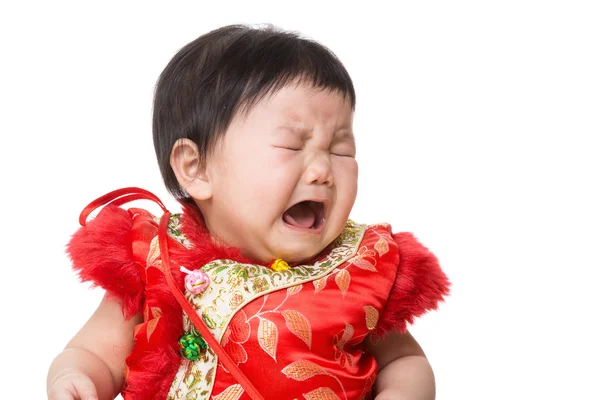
x=233 y=392
x=156 y=312
x=151 y=327
x=382 y=246
x=346 y=338
x=236 y=299
x=237 y=333
x=345 y=359
x=368 y=386
x=372 y=316
x=302 y=370
x=154 y=253
x=268 y=336
x=194 y=376
x=260 y=284
x=364 y=259
x=152 y=318
x=322 y=393
x=351 y=229
x=233 y=285
x=319 y=284
x=174 y=228
x=342 y=279
x=298 y=325
x=294 y=289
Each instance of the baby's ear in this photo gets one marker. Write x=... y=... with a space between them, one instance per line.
x=189 y=171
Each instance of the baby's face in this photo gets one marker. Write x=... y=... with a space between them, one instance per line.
x=284 y=178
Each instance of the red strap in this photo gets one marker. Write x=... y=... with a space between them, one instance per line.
x=193 y=315
x=119 y=197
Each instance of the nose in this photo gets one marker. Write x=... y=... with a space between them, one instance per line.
x=319 y=171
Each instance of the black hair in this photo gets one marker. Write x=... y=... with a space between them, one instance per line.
x=225 y=72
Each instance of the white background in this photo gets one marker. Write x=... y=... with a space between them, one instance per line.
x=478 y=126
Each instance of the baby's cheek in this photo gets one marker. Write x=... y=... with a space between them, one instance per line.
x=346 y=178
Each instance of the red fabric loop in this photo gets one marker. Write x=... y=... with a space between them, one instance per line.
x=119 y=197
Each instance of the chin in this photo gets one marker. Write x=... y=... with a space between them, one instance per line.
x=301 y=253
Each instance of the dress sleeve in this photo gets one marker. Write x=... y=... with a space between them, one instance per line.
x=420 y=285
x=102 y=253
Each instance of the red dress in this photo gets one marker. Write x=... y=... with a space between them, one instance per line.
x=296 y=334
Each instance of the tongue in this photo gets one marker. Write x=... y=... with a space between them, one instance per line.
x=300 y=215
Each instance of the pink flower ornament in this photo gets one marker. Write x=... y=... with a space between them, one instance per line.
x=196 y=281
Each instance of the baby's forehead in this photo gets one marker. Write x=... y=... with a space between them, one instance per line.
x=293 y=104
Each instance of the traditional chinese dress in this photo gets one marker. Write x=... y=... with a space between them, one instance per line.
x=297 y=333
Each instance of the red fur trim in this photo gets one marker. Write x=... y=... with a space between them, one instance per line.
x=101 y=253
x=156 y=380
x=419 y=286
x=156 y=367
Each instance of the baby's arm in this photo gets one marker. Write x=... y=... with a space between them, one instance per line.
x=404 y=372
x=92 y=364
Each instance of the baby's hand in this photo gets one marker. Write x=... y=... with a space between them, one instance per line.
x=73 y=386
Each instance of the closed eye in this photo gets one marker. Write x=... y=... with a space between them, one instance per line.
x=343 y=147
x=343 y=150
x=343 y=155
x=288 y=148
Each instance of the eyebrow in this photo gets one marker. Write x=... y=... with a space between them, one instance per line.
x=347 y=133
x=303 y=132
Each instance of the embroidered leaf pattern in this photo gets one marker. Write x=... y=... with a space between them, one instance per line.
x=322 y=393
x=294 y=289
x=154 y=252
x=237 y=352
x=151 y=327
x=346 y=360
x=298 y=325
x=233 y=392
x=240 y=327
x=342 y=279
x=192 y=376
x=155 y=311
x=302 y=370
x=372 y=316
x=364 y=264
x=210 y=375
x=346 y=336
x=368 y=385
x=267 y=337
x=319 y=284
x=382 y=246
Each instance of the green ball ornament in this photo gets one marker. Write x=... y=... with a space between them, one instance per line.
x=192 y=346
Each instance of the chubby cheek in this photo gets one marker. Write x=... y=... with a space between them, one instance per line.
x=257 y=190
x=346 y=202
x=346 y=182
x=279 y=171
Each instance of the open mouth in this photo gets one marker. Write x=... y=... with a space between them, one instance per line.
x=306 y=216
